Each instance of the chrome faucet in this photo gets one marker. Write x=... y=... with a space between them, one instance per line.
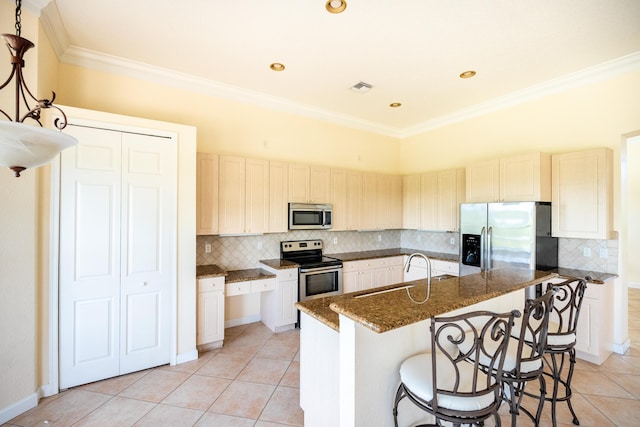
x=424 y=257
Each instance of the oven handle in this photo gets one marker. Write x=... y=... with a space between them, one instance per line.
x=320 y=269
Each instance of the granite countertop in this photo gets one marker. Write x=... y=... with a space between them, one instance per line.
x=382 y=312
x=596 y=277
x=279 y=264
x=204 y=271
x=234 y=276
x=384 y=253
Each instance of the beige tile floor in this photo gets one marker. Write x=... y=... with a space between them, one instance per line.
x=254 y=381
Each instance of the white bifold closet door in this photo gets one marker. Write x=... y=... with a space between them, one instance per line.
x=118 y=195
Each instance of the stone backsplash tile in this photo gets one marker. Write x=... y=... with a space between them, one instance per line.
x=240 y=252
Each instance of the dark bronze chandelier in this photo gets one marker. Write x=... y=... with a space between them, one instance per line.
x=23 y=145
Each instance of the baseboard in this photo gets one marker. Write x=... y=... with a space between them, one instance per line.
x=187 y=357
x=47 y=390
x=241 y=321
x=18 y=408
x=622 y=348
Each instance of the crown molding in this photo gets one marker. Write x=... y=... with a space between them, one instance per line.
x=54 y=28
x=590 y=75
x=36 y=6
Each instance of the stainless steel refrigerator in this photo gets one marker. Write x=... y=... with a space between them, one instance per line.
x=498 y=235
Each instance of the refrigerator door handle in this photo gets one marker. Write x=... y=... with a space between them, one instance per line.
x=489 y=248
x=483 y=254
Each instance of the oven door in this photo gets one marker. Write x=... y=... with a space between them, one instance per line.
x=320 y=282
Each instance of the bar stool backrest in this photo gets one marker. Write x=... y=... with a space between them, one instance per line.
x=485 y=337
x=567 y=302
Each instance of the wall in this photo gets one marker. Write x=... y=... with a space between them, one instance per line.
x=633 y=211
x=230 y=127
x=18 y=251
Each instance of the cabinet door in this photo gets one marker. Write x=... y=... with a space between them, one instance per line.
x=367 y=279
x=526 y=178
x=206 y=194
x=448 y=199
x=354 y=195
x=483 y=182
x=278 y=197
x=210 y=317
x=298 y=183
x=339 y=199
x=319 y=184
x=349 y=281
x=429 y=201
x=232 y=195
x=396 y=202
x=287 y=296
x=411 y=202
x=582 y=194
x=369 y=202
x=256 y=196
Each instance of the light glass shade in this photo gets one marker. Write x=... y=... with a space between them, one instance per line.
x=27 y=146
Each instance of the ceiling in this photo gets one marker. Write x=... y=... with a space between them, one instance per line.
x=410 y=51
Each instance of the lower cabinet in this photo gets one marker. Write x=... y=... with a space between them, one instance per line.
x=277 y=307
x=371 y=273
x=210 y=314
x=418 y=269
x=594 y=335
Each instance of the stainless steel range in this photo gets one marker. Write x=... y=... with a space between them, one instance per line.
x=319 y=275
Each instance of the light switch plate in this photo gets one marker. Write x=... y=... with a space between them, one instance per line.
x=586 y=252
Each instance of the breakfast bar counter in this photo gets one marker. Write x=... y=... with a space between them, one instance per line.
x=352 y=345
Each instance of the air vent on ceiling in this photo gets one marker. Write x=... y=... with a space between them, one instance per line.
x=361 y=87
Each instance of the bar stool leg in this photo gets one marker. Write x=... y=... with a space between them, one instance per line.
x=557 y=380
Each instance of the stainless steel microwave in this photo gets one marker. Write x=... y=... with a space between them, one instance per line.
x=309 y=216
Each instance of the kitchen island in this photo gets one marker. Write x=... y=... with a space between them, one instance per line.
x=352 y=345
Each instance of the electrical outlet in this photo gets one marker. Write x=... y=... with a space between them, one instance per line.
x=586 y=252
x=260 y=245
x=207 y=248
x=379 y=237
x=604 y=253
x=335 y=240
x=452 y=241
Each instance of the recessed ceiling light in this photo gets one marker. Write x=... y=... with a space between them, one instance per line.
x=276 y=66
x=467 y=74
x=395 y=105
x=336 y=6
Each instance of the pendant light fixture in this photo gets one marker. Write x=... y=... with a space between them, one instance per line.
x=27 y=144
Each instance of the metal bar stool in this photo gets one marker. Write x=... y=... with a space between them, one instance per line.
x=524 y=360
x=450 y=384
x=561 y=340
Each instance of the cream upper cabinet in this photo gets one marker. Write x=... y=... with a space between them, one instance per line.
x=244 y=195
x=451 y=192
x=319 y=184
x=582 y=194
x=309 y=184
x=369 y=201
x=278 y=197
x=526 y=178
x=431 y=200
x=231 y=207
x=256 y=196
x=510 y=179
x=389 y=202
x=483 y=182
x=339 y=199
x=206 y=194
x=411 y=202
x=354 y=197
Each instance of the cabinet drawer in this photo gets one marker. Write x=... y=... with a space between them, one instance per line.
x=445 y=267
x=288 y=274
x=238 y=288
x=263 y=285
x=211 y=284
